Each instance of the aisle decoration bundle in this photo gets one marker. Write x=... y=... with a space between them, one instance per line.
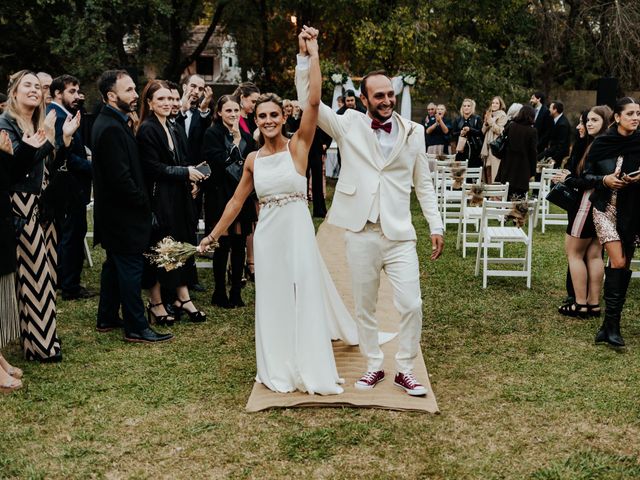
x=544 y=163
x=171 y=254
x=476 y=195
x=519 y=212
x=458 y=171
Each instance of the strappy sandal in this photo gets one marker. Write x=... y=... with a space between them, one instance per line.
x=196 y=316
x=594 y=310
x=15 y=372
x=251 y=276
x=163 y=320
x=574 y=310
x=11 y=385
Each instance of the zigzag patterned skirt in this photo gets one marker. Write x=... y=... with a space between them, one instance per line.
x=35 y=279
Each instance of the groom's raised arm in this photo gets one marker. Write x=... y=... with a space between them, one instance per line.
x=328 y=120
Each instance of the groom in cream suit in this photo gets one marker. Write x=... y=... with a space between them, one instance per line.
x=382 y=155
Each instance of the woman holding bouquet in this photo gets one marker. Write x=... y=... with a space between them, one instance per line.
x=298 y=309
x=170 y=182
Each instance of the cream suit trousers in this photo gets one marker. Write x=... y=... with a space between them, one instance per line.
x=368 y=253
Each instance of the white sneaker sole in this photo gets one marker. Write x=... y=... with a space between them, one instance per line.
x=413 y=393
x=367 y=387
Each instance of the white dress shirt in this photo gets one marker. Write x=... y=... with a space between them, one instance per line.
x=386 y=141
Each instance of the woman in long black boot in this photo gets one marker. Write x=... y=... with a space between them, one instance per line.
x=224 y=148
x=612 y=166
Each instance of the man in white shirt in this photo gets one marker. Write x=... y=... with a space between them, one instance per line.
x=383 y=154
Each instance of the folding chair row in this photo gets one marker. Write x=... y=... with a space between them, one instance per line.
x=452 y=179
x=546 y=217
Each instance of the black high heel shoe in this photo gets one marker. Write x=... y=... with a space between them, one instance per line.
x=163 y=320
x=251 y=276
x=196 y=316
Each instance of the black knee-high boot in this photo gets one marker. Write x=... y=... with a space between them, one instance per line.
x=616 y=283
x=220 y=256
x=238 y=244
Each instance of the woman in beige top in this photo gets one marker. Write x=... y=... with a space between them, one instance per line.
x=494 y=121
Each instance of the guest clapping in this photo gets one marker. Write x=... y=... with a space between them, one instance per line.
x=437 y=129
x=467 y=132
x=32 y=213
x=495 y=119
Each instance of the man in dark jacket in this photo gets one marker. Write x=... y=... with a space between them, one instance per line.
x=65 y=91
x=122 y=213
x=559 y=137
x=543 y=121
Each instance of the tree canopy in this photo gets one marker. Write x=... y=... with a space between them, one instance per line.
x=472 y=48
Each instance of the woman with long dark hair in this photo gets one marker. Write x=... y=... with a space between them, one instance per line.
x=584 y=252
x=33 y=217
x=612 y=157
x=519 y=162
x=169 y=183
x=225 y=144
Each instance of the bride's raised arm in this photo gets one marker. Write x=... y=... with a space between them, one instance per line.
x=301 y=141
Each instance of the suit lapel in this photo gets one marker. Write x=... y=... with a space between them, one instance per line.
x=400 y=141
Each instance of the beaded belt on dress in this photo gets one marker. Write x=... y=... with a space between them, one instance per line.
x=279 y=200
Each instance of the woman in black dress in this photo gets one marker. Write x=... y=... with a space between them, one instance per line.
x=225 y=144
x=469 y=126
x=615 y=208
x=584 y=251
x=169 y=183
x=519 y=162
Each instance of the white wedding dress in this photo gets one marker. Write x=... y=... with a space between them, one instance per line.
x=298 y=309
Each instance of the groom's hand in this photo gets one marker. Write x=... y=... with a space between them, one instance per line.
x=437 y=245
x=302 y=42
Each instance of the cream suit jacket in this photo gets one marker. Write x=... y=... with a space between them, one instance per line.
x=365 y=173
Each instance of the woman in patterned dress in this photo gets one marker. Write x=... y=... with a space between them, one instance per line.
x=616 y=216
x=36 y=235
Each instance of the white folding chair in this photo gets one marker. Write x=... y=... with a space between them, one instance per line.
x=450 y=198
x=471 y=215
x=492 y=235
x=546 y=217
x=438 y=173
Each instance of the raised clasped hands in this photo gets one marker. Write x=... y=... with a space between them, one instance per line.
x=308 y=41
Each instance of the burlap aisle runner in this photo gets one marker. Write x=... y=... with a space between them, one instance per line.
x=348 y=359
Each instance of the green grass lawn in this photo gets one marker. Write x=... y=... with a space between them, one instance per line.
x=523 y=393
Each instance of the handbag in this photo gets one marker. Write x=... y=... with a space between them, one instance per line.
x=564 y=197
x=499 y=145
x=462 y=142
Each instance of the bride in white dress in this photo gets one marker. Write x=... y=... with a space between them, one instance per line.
x=298 y=310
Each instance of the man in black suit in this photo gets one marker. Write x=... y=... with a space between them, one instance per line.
x=315 y=171
x=65 y=91
x=559 y=137
x=122 y=213
x=544 y=122
x=195 y=117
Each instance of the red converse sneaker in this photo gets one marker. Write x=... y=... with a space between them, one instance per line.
x=370 y=380
x=409 y=383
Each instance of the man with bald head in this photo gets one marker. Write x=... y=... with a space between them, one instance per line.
x=383 y=154
x=45 y=83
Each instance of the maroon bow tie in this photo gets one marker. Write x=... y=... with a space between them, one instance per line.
x=376 y=125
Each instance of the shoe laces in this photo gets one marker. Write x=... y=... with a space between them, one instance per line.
x=370 y=376
x=410 y=380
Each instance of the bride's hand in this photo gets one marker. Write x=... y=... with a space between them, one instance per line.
x=312 y=47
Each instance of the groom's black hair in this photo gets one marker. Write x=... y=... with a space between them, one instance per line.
x=363 y=85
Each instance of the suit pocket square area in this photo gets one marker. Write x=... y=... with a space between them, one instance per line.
x=345 y=188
